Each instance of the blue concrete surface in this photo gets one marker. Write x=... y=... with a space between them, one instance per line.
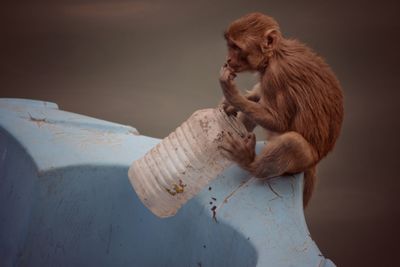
x=65 y=200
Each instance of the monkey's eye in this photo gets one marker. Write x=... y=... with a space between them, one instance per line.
x=243 y=56
x=234 y=47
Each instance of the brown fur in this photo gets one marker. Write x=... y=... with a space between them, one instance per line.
x=298 y=100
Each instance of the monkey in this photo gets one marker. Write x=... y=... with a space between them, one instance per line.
x=298 y=101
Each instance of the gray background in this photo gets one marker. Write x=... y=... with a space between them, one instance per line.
x=150 y=64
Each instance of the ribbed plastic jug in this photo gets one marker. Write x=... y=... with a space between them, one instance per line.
x=184 y=162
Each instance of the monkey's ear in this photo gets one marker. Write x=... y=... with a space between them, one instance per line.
x=270 y=39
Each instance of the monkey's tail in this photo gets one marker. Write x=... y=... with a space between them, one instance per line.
x=309 y=184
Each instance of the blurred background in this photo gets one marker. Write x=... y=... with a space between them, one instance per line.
x=151 y=64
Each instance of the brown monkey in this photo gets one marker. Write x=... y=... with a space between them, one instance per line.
x=298 y=101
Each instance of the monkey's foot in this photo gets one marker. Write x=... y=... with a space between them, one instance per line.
x=242 y=150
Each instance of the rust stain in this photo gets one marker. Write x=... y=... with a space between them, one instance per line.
x=214 y=211
x=205 y=125
x=226 y=199
x=303 y=247
x=85 y=137
x=220 y=136
x=176 y=188
x=39 y=122
x=235 y=190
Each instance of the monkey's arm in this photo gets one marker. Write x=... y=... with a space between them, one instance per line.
x=263 y=115
x=253 y=95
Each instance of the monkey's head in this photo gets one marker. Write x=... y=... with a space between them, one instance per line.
x=251 y=41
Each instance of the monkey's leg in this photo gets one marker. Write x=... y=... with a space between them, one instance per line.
x=285 y=153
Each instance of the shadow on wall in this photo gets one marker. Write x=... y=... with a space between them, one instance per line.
x=88 y=215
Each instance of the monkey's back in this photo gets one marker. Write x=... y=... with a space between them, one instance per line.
x=311 y=87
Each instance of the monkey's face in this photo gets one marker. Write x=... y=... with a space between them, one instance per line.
x=241 y=59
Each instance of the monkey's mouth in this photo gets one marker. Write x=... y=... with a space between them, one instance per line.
x=236 y=68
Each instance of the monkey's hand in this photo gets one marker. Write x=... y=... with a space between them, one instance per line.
x=228 y=108
x=242 y=150
x=232 y=95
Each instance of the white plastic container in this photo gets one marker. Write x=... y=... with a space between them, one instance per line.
x=184 y=162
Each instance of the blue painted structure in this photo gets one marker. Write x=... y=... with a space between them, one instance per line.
x=65 y=200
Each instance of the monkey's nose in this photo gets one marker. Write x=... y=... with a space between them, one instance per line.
x=228 y=60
